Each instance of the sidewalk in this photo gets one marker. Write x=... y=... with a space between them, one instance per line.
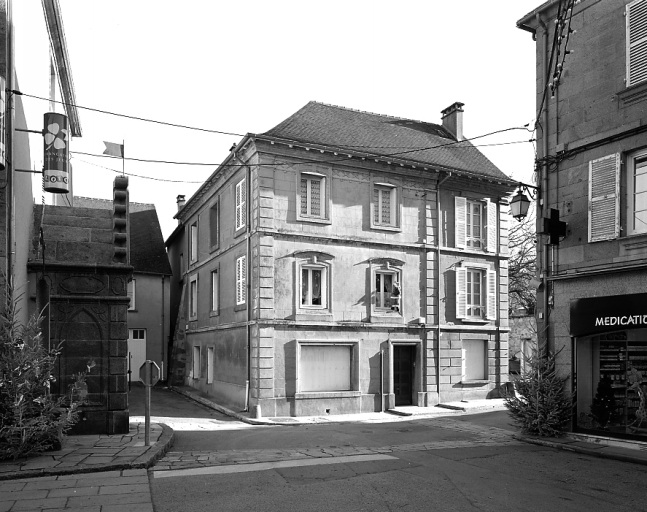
x=92 y=453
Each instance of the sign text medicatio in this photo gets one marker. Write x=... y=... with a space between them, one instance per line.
x=603 y=314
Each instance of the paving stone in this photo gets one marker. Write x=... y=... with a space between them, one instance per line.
x=73 y=491
x=139 y=507
x=82 y=476
x=50 y=484
x=109 y=499
x=23 y=495
x=40 y=504
x=124 y=489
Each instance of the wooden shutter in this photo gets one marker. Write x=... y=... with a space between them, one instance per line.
x=461 y=292
x=636 y=43
x=241 y=275
x=241 y=214
x=491 y=309
x=460 y=221
x=604 y=207
x=491 y=231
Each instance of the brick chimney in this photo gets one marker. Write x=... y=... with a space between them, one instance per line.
x=453 y=119
x=180 y=202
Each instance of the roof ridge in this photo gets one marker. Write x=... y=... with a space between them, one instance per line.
x=371 y=113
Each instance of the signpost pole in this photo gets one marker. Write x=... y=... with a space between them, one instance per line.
x=149 y=374
x=147 y=417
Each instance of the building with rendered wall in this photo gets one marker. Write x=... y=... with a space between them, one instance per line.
x=344 y=262
x=592 y=149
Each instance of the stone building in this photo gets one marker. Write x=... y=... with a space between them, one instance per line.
x=344 y=262
x=592 y=150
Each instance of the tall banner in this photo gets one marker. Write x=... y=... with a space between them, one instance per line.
x=3 y=125
x=56 y=160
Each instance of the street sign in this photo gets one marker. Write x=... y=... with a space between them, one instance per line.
x=149 y=373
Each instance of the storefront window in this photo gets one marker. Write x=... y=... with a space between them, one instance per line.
x=612 y=383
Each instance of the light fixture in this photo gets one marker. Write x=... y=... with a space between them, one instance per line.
x=520 y=203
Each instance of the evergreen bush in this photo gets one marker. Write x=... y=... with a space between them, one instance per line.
x=541 y=405
x=32 y=420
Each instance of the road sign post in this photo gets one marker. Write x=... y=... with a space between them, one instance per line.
x=149 y=374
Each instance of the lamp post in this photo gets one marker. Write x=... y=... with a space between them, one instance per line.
x=519 y=205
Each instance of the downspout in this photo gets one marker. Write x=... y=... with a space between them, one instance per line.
x=439 y=234
x=164 y=344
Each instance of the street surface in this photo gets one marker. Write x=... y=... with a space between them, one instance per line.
x=457 y=462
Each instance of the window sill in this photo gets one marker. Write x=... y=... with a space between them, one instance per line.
x=307 y=395
x=315 y=220
x=214 y=313
x=633 y=94
x=386 y=318
x=239 y=231
x=475 y=321
x=214 y=248
x=475 y=382
x=313 y=316
x=240 y=307
x=386 y=227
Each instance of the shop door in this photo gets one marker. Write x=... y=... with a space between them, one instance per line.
x=136 y=351
x=403 y=370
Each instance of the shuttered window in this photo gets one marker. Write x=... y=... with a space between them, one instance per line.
x=636 y=46
x=241 y=280
x=325 y=368
x=475 y=224
x=241 y=205
x=384 y=205
x=604 y=212
x=476 y=295
x=312 y=195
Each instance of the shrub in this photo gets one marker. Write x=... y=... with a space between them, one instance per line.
x=32 y=420
x=541 y=405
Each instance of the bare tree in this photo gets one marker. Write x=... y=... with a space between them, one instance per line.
x=522 y=266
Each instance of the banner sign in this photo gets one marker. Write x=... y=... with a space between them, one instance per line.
x=57 y=154
x=606 y=314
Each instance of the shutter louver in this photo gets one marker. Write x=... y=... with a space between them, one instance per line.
x=241 y=276
x=460 y=221
x=241 y=214
x=604 y=208
x=491 y=311
x=461 y=292
x=636 y=22
x=491 y=228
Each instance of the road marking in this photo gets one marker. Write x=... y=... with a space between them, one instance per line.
x=264 y=466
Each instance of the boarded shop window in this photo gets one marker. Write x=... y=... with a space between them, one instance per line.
x=604 y=218
x=325 y=368
x=475 y=224
x=474 y=360
x=636 y=44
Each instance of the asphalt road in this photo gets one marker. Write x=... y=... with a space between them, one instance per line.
x=457 y=463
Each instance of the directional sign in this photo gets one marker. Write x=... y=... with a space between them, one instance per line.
x=149 y=373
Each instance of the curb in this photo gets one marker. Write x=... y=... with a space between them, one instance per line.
x=593 y=452
x=144 y=461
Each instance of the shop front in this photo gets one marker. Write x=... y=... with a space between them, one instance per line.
x=610 y=365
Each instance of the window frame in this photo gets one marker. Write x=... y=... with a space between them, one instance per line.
x=193 y=242
x=215 y=291
x=193 y=297
x=489 y=293
x=313 y=260
x=131 y=290
x=214 y=226
x=324 y=216
x=354 y=390
x=396 y=205
x=632 y=158
x=386 y=266
x=310 y=268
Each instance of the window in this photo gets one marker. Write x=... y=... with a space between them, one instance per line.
x=193 y=243
x=313 y=197
x=475 y=224
x=474 y=360
x=387 y=291
x=131 y=294
x=210 y=365
x=385 y=206
x=215 y=291
x=241 y=280
x=636 y=44
x=193 y=298
x=241 y=205
x=637 y=194
x=181 y=267
x=214 y=225
x=476 y=296
x=196 y=362
x=313 y=287
x=604 y=206
x=325 y=368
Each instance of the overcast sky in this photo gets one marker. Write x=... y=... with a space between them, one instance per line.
x=243 y=67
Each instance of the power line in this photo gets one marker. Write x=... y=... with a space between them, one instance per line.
x=137 y=175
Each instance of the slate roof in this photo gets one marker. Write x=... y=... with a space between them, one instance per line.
x=398 y=139
x=147 y=249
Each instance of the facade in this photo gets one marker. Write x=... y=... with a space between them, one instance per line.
x=344 y=262
x=148 y=290
x=592 y=140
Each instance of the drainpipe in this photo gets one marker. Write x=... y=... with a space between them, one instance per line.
x=164 y=347
x=439 y=234
x=9 y=157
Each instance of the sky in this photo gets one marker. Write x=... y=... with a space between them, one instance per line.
x=243 y=67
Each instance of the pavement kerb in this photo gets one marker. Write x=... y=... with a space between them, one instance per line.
x=145 y=461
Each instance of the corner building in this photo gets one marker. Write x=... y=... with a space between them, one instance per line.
x=344 y=262
x=592 y=169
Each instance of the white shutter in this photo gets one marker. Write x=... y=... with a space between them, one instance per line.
x=460 y=221
x=241 y=276
x=461 y=292
x=604 y=207
x=491 y=227
x=491 y=310
x=636 y=44
x=241 y=193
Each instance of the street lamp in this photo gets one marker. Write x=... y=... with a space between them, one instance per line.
x=519 y=205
